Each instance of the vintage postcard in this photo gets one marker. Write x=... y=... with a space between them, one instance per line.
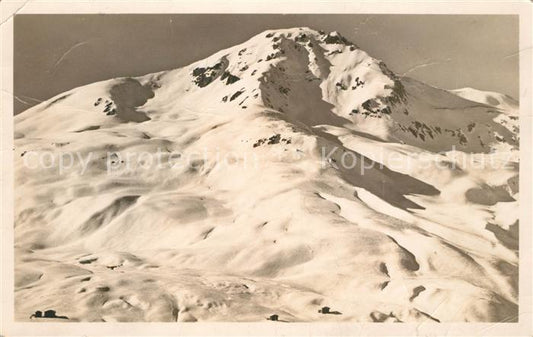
x=266 y=168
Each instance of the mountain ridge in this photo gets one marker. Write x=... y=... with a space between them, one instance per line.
x=358 y=87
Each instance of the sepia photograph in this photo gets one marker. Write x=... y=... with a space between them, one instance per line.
x=274 y=168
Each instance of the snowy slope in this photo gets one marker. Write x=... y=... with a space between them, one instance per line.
x=495 y=99
x=414 y=230
x=504 y=103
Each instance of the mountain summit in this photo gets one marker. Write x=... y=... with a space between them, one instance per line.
x=304 y=174
x=316 y=78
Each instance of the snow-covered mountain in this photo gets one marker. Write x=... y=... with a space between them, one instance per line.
x=495 y=99
x=342 y=185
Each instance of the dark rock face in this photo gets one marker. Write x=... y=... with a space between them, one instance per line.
x=203 y=76
x=332 y=38
x=273 y=317
x=373 y=108
x=383 y=105
x=328 y=311
x=229 y=77
x=275 y=139
x=398 y=95
x=301 y=38
x=47 y=314
x=235 y=95
x=421 y=130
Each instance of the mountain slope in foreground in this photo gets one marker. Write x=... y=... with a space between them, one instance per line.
x=414 y=229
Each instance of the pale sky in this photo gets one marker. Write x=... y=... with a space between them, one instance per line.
x=55 y=53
